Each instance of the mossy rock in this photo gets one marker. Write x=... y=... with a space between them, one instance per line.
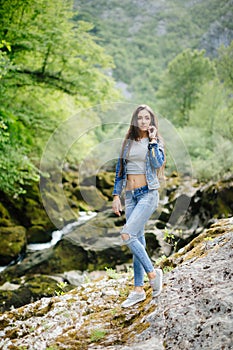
x=104 y=181
x=4 y=214
x=71 y=177
x=30 y=289
x=59 y=212
x=107 y=219
x=15 y=298
x=6 y=223
x=12 y=243
x=218 y=198
x=69 y=256
x=92 y=197
x=197 y=247
x=37 y=234
x=36 y=214
x=109 y=257
x=44 y=286
x=27 y=210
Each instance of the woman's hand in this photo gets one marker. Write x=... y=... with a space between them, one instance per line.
x=116 y=205
x=152 y=131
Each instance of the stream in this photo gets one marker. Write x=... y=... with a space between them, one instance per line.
x=56 y=235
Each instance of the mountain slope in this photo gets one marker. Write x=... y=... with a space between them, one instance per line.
x=143 y=36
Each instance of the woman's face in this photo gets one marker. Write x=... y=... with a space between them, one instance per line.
x=143 y=120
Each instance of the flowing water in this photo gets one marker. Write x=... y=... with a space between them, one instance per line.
x=57 y=235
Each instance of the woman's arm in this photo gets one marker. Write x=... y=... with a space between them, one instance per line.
x=118 y=183
x=156 y=154
x=116 y=205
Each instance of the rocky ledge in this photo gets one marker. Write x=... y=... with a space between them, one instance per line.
x=194 y=310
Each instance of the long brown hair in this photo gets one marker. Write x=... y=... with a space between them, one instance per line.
x=134 y=134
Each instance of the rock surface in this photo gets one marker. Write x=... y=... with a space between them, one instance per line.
x=185 y=205
x=194 y=310
x=96 y=244
x=12 y=243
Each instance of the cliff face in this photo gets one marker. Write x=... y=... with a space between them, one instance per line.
x=189 y=23
x=194 y=310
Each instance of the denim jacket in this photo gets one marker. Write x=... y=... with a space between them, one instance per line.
x=154 y=160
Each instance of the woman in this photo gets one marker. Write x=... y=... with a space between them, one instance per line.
x=141 y=158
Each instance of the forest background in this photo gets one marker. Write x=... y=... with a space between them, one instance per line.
x=60 y=58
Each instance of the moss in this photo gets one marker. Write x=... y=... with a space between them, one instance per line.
x=197 y=247
x=12 y=243
x=15 y=298
x=91 y=196
x=119 y=327
x=33 y=288
x=38 y=234
x=43 y=286
x=68 y=256
x=6 y=223
x=4 y=212
x=105 y=182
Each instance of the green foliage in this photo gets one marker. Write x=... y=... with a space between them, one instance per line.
x=172 y=238
x=111 y=273
x=97 y=334
x=50 y=67
x=5 y=63
x=161 y=259
x=220 y=161
x=181 y=84
x=167 y=269
x=158 y=53
x=55 y=62
x=16 y=168
x=150 y=35
x=224 y=64
x=62 y=288
x=213 y=112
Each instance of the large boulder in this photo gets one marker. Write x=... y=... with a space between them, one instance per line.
x=104 y=182
x=194 y=310
x=12 y=243
x=92 y=246
x=187 y=207
x=28 y=211
x=90 y=197
x=27 y=289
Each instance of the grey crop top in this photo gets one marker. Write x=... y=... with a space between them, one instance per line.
x=136 y=159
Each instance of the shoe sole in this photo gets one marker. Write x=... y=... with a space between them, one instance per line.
x=138 y=301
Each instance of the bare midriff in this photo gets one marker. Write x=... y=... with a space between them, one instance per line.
x=135 y=181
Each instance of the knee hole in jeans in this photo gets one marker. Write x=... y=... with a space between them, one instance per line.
x=125 y=236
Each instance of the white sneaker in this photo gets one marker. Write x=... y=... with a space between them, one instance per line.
x=134 y=298
x=157 y=283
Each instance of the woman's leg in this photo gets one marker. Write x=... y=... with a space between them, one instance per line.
x=139 y=271
x=146 y=205
x=137 y=266
x=139 y=214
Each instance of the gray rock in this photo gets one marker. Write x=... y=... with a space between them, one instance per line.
x=9 y=286
x=193 y=312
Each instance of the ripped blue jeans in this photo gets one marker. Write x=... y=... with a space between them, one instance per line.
x=139 y=206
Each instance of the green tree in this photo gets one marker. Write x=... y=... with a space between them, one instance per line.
x=54 y=68
x=209 y=134
x=181 y=83
x=213 y=111
x=224 y=64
